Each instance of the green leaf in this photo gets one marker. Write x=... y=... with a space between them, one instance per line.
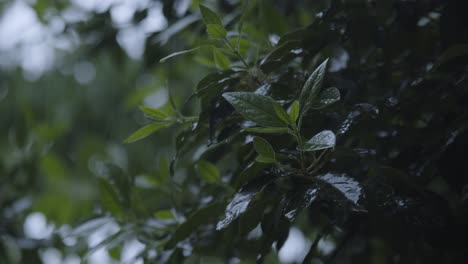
x=145 y=131
x=267 y=130
x=207 y=171
x=279 y=110
x=109 y=197
x=323 y=140
x=209 y=16
x=294 y=112
x=164 y=214
x=221 y=60
x=213 y=23
x=264 y=149
x=178 y=53
x=257 y=108
x=312 y=87
x=153 y=112
x=216 y=31
x=327 y=97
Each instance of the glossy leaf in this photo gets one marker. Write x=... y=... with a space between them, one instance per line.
x=235 y=208
x=312 y=87
x=256 y=108
x=265 y=150
x=145 y=131
x=207 y=171
x=327 y=97
x=323 y=140
x=350 y=188
x=221 y=60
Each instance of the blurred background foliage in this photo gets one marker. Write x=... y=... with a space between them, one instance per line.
x=73 y=74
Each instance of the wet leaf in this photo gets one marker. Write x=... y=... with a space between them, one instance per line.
x=312 y=87
x=265 y=150
x=256 y=108
x=323 y=140
x=327 y=97
x=208 y=171
x=146 y=131
x=350 y=188
x=235 y=208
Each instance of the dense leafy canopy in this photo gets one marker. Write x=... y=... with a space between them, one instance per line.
x=261 y=131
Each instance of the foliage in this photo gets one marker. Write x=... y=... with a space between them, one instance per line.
x=346 y=120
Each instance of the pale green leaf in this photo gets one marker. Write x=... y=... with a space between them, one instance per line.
x=145 y=131
x=221 y=60
x=294 y=111
x=279 y=110
x=153 y=112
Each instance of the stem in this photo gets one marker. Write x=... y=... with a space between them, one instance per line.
x=236 y=52
x=316 y=160
x=298 y=137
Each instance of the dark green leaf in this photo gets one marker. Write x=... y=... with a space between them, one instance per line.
x=344 y=184
x=323 y=140
x=145 y=131
x=256 y=108
x=327 y=97
x=208 y=171
x=312 y=87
